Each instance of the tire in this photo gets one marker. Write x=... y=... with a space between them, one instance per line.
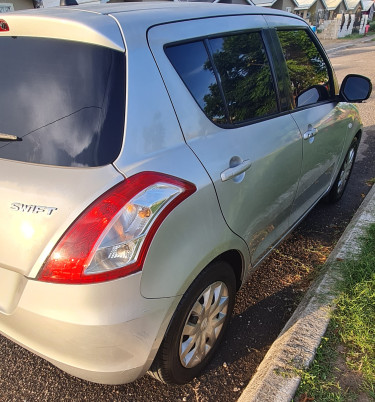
x=197 y=327
x=344 y=173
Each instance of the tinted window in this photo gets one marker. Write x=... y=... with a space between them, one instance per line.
x=239 y=80
x=308 y=71
x=245 y=76
x=192 y=63
x=64 y=99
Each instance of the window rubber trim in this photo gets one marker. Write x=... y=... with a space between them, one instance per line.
x=322 y=53
x=269 y=57
x=207 y=45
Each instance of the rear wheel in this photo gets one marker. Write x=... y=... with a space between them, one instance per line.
x=197 y=326
x=342 y=178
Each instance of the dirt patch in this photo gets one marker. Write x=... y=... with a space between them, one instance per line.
x=350 y=381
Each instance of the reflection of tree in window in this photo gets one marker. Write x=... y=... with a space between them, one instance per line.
x=213 y=100
x=305 y=64
x=192 y=64
x=245 y=77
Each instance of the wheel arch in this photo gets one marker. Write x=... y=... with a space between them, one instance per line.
x=166 y=366
x=359 y=135
x=236 y=260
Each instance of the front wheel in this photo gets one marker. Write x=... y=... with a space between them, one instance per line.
x=197 y=326
x=345 y=171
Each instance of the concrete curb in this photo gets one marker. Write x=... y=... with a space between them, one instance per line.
x=335 y=49
x=350 y=44
x=276 y=378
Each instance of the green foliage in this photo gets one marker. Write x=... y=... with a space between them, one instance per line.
x=306 y=66
x=245 y=78
x=352 y=327
x=352 y=36
x=319 y=381
x=372 y=26
x=355 y=311
x=245 y=75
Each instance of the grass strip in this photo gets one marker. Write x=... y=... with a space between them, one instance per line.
x=344 y=366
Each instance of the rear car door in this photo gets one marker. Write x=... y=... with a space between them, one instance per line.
x=323 y=121
x=224 y=92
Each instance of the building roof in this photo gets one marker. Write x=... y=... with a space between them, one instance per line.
x=305 y=4
x=328 y=4
x=249 y=2
x=264 y=3
x=333 y=4
x=366 y=5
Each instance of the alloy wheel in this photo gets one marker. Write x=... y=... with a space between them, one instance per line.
x=345 y=170
x=204 y=324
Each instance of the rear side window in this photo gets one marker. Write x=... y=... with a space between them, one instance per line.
x=308 y=71
x=64 y=99
x=237 y=85
x=192 y=63
x=245 y=76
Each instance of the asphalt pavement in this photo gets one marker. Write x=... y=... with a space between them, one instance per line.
x=294 y=349
x=275 y=379
x=338 y=44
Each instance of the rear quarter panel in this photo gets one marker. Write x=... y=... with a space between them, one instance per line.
x=195 y=232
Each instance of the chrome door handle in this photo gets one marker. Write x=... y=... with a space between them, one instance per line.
x=235 y=171
x=311 y=132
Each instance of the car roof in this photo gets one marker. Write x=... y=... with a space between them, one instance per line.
x=171 y=10
x=95 y=23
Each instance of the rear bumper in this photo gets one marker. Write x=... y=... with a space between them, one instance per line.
x=106 y=333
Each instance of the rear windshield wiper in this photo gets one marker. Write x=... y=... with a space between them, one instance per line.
x=9 y=137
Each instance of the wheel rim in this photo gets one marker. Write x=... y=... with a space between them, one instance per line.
x=204 y=324
x=345 y=170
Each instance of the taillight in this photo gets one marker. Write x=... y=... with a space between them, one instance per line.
x=111 y=237
x=4 y=27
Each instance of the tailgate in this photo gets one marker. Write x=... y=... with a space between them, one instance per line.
x=38 y=203
x=62 y=111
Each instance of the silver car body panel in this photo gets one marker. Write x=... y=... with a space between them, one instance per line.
x=78 y=329
x=66 y=24
x=260 y=221
x=321 y=153
x=31 y=232
x=156 y=143
x=110 y=332
x=282 y=21
x=93 y=341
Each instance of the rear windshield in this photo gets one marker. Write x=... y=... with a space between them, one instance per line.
x=63 y=100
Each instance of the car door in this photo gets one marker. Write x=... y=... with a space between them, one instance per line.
x=224 y=92
x=323 y=121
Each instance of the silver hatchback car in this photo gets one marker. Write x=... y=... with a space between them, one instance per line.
x=151 y=156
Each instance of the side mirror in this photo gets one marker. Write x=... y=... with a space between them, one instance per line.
x=355 y=88
x=313 y=94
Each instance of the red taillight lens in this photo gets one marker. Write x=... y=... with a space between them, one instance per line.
x=4 y=27
x=111 y=237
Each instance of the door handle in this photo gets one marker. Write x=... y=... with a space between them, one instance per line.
x=311 y=132
x=235 y=171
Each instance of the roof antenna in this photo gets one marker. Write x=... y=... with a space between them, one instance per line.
x=64 y=3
